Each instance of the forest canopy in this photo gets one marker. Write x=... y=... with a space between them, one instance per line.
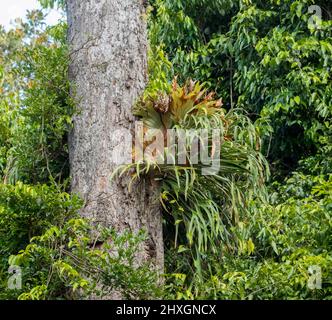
x=256 y=230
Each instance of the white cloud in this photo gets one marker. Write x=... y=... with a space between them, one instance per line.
x=12 y=9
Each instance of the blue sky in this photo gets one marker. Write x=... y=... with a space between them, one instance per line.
x=11 y=9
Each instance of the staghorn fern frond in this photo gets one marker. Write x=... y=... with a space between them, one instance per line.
x=206 y=207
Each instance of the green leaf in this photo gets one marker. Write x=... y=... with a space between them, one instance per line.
x=297 y=99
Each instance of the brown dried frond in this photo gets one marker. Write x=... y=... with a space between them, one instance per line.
x=162 y=103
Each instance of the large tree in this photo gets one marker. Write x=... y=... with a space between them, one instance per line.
x=108 y=70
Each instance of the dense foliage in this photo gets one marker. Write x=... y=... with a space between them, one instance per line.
x=67 y=262
x=35 y=105
x=271 y=58
x=276 y=246
x=264 y=56
x=227 y=236
x=58 y=253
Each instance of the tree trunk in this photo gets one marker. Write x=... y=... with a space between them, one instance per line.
x=108 y=69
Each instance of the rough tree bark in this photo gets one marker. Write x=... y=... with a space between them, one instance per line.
x=108 y=69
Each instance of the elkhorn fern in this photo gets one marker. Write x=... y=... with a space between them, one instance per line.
x=205 y=206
